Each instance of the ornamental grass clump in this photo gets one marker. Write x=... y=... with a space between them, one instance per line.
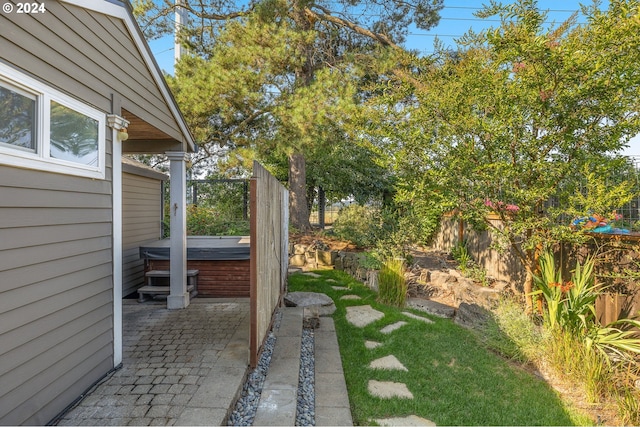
x=392 y=286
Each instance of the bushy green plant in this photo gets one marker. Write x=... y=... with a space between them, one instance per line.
x=392 y=286
x=460 y=253
x=357 y=224
x=369 y=261
x=467 y=266
x=203 y=221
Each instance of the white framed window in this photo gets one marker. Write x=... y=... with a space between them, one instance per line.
x=42 y=128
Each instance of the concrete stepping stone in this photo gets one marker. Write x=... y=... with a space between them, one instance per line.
x=350 y=296
x=389 y=363
x=392 y=327
x=332 y=280
x=415 y=316
x=340 y=288
x=362 y=315
x=411 y=420
x=372 y=344
x=389 y=390
x=312 y=274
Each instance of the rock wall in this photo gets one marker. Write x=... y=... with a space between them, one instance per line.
x=443 y=280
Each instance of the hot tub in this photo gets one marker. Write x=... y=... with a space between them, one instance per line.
x=223 y=262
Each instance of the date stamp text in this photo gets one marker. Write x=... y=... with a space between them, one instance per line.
x=30 y=8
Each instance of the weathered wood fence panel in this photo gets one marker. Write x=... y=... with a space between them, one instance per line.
x=269 y=242
x=505 y=266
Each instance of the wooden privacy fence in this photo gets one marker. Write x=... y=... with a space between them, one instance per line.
x=505 y=266
x=269 y=207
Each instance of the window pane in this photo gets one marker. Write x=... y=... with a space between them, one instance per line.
x=17 y=119
x=74 y=136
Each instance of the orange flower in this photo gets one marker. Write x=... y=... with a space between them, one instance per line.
x=566 y=287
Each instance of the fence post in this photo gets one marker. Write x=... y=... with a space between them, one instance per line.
x=245 y=199
x=321 y=206
x=194 y=192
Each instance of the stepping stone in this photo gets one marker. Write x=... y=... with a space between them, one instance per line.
x=314 y=303
x=339 y=288
x=372 y=344
x=392 y=327
x=411 y=420
x=350 y=296
x=332 y=280
x=306 y=299
x=389 y=389
x=431 y=307
x=390 y=363
x=362 y=315
x=415 y=316
x=312 y=274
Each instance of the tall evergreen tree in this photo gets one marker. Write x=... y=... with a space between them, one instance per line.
x=280 y=75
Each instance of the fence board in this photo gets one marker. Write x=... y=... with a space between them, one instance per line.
x=505 y=265
x=269 y=241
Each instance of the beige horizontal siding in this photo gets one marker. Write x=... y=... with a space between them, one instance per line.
x=56 y=291
x=141 y=218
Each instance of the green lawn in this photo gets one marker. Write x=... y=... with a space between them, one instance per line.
x=454 y=379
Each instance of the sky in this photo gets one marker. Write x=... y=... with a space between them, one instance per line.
x=455 y=19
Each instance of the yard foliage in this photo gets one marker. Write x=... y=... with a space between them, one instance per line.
x=515 y=118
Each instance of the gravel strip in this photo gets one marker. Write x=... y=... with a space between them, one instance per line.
x=247 y=405
x=306 y=408
x=245 y=410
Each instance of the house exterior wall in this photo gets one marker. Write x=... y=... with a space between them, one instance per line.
x=56 y=257
x=56 y=291
x=141 y=216
x=60 y=328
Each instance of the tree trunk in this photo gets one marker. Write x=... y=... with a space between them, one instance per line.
x=298 y=210
x=528 y=288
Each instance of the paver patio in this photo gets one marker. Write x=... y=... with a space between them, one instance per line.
x=180 y=367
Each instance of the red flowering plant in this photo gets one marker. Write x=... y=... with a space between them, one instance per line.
x=501 y=206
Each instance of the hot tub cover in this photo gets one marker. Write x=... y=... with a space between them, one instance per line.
x=201 y=248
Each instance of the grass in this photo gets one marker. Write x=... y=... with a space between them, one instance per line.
x=454 y=378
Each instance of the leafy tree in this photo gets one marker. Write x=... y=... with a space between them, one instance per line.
x=280 y=74
x=514 y=117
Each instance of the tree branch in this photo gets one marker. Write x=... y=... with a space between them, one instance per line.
x=326 y=16
x=215 y=16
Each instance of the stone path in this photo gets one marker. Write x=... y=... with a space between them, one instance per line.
x=330 y=405
x=361 y=316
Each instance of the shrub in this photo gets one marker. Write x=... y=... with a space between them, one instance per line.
x=570 y=307
x=357 y=224
x=392 y=286
x=203 y=221
x=580 y=347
